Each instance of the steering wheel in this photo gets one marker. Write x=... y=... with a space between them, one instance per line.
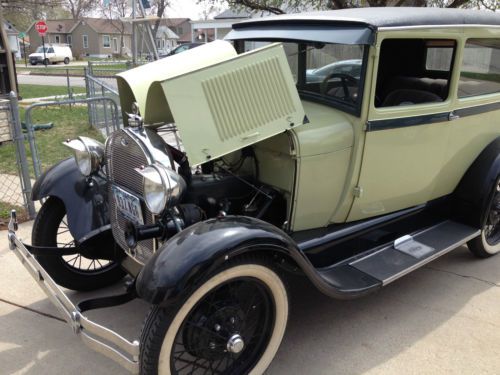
x=344 y=79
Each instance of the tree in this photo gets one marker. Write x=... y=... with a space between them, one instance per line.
x=288 y=6
x=79 y=8
x=22 y=13
x=114 y=11
x=158 y=8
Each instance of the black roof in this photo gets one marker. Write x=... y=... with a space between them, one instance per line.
x=383 y=17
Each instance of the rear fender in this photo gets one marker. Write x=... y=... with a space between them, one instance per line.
x=473 y=193
x=86 y=203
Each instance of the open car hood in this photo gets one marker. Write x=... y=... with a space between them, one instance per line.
x=219 y=101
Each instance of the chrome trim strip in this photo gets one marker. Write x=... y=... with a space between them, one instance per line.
x=92 y=334
x=402 y=28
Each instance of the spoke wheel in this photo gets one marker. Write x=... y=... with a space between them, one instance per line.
x=71 y=271
x=488 y=243
x=232 y=324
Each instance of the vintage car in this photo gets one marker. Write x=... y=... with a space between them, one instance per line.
x=233 y=170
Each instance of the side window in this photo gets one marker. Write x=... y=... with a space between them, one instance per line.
x=50 y=50
x=414 y=71
x=333 y=72
x=480 y=71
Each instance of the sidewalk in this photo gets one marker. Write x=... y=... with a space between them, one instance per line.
x=443 y=319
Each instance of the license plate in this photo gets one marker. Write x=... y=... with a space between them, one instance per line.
x=128 y=205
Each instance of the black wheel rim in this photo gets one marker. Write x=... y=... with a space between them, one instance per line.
x=241 y=307
x=77 y=262
x=492 y=226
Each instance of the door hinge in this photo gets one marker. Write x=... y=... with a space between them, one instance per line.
x=358 y=191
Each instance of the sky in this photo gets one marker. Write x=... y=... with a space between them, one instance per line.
x=185 y=8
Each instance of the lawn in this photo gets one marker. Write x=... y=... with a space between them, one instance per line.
x=68 y=123
x=99 y=70
x=39 y=91
x=5 y=208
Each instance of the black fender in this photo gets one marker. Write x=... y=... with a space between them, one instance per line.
x=178 y=268
x=85 y=201
x=474 y=191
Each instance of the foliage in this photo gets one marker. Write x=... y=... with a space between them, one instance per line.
x=290 y=6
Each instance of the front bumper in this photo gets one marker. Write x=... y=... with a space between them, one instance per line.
x=95 y=336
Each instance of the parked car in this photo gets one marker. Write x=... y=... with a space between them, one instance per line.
x=352 y=181
x=54 y=53
x=181 y=48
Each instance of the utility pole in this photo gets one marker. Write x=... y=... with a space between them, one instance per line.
x=134 y=35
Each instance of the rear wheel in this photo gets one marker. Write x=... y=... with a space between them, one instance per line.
x=46 y=62
x=488 y=243
x=70 y=271
x=66 y=60
x=232 y=324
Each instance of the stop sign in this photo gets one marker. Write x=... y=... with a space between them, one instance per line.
x=41 y=28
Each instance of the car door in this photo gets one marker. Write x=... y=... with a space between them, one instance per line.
x=408 y=129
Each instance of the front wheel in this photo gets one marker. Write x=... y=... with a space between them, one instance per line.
x=70 y=271
x=232 y=324
x=488 y=243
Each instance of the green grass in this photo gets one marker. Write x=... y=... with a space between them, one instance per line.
x=5 y=213
x=68 y=124
x=39 y=91
x=51 y=70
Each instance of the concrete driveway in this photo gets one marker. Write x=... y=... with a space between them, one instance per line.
x=442 y=319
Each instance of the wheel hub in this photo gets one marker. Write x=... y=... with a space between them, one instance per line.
x=235 y=344
x=215 y=333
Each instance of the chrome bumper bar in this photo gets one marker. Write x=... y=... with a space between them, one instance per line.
x=95 y=336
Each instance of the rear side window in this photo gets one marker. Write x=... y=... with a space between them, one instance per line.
x=439 y=58
x=480 y=72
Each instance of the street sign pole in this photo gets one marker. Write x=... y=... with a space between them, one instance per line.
x=43 y=46
x=24 y=49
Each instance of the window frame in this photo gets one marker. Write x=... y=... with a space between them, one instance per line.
x=355 y=108
x=464 y=47
x=69 y=39
x=85 y=41
x=103 y=41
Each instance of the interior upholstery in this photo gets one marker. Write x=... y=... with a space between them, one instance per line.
x=409 y=96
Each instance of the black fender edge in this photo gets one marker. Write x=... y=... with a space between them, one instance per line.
x=473 y=193
x=86 y=204
x=180 y=266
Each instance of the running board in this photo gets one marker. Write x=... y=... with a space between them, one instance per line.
x=378 y=267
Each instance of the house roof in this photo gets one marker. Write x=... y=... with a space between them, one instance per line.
x=63 y=26
x=105 y=26
x=172 y=22
x=383 y=17
x=231 y=14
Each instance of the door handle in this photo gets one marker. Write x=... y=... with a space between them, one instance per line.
x=453 y=116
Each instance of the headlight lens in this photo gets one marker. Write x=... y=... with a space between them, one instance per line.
x=89 y=154
x=162 y=187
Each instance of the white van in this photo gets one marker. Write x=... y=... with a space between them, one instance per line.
x=54 y=53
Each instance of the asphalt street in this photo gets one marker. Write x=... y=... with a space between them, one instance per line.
x=441 y=319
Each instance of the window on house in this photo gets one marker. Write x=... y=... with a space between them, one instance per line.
x=69 y=39
x=57 y=39
x=106 y=41
x=158 y=43
x=480 y=72
x=85 y=41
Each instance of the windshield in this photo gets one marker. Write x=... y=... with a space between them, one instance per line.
x=40 y=49
x=329 y=73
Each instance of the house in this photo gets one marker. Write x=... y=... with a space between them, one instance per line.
x=98 y=37
x=12 y=35
x=208 y=30
x=181 y=27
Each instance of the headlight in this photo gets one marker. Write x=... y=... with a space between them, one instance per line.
x=163 y=187
x=89 y=154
